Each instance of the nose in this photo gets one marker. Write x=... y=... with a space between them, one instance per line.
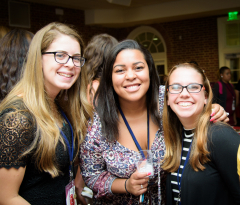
x=130 y=74
x=69 y=63
x=184 y=93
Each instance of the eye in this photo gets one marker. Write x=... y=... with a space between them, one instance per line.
x=119 y=70
x=77 y=58
x=61 y=55
x=193 y=86
x=176 y=87
x=139 y=67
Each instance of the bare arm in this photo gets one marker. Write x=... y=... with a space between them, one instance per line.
x=10 y=181
x=79 y=184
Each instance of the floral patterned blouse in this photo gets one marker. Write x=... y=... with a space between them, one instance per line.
x=102 y=162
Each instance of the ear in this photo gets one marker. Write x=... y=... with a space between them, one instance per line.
x=206 y=99
x=168 y=102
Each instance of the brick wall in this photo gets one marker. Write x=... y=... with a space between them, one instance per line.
x=199 y=42
x=199 y=38
x=41 y=15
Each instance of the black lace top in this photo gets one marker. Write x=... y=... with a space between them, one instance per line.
x=16 y=134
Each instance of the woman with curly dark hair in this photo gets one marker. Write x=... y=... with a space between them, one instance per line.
x=13 y=50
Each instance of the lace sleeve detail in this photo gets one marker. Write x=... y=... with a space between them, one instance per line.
x=16 y=134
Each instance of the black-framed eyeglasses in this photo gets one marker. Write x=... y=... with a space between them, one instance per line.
x=191 y=88
x=62 y=58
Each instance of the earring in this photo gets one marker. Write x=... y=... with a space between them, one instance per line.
x=221 y=76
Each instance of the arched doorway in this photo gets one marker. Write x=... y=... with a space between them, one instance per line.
x=154 y=42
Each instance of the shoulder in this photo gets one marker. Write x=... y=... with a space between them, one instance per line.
x=161 y=90
x=221 y=134
x=18 y=111
x=95 y=84
x=216 y=85
x=17 y=134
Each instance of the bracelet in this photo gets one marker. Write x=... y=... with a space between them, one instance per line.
x=126 y=187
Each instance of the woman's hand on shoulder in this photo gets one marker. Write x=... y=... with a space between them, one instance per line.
x=11 y=180
x=218 y=114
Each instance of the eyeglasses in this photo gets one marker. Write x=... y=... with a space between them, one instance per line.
x=191 y=88
x=63 y=58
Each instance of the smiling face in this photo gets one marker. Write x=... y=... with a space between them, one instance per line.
x=187 y=106
x=130 y=76
x=60 y=76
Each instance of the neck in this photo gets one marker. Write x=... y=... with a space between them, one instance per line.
x=188 y=124
x=133 y=110
x=224 y=81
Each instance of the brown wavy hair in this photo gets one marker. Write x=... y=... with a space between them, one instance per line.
x=96 y=53
x=13 y=51
x=173 y=129
x=3 y=31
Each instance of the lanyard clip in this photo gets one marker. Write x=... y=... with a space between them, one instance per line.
x=71 y=175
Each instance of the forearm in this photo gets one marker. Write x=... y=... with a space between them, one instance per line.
x=118 y=186
x=13 y=201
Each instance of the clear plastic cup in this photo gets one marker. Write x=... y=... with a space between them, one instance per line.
x=144 y=162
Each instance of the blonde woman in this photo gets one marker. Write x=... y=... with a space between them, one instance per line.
x=200 y=156
x=43 y=120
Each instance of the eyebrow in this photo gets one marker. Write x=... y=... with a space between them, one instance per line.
x=133 y=64
x=61 y=51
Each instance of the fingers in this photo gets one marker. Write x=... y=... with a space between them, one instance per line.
x=137 y=184
x=219 y=114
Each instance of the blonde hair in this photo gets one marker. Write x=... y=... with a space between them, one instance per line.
x=173 y=129
x=35 y=98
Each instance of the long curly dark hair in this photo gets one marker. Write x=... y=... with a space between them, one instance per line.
x=13 y=50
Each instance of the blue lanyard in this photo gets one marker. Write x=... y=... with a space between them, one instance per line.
x=131 y=132
x=70 y=148
x=185 y=164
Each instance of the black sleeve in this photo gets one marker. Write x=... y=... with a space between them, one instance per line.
x=215 y=93
x=223 y=146
x=16 y=135
x=238 y=86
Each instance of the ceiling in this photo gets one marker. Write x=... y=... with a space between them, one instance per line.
x=104 y=13
x=98 y=4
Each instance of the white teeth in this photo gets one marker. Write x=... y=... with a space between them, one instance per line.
x=65 y=75
x=185 y=104
x=132 y=87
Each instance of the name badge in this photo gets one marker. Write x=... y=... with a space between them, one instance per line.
x=71 y=197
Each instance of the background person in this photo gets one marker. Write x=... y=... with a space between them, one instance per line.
x=200 y=156
x=13 y=51
x=3 y=31
x=96 y=53
x=37 y=120
x=224 y=94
